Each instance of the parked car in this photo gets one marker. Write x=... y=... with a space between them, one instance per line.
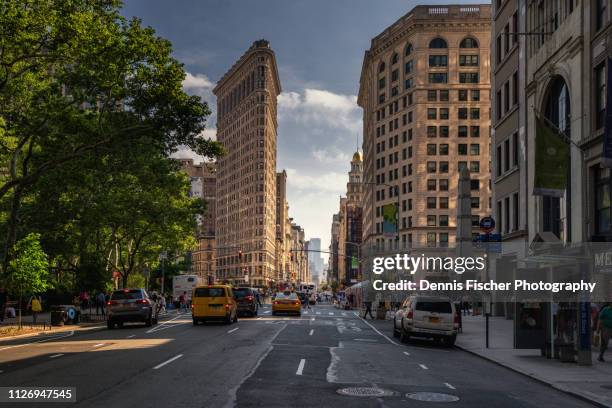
x=428 y=317
x=246 y=298
x=213 y=302
x=130 y=305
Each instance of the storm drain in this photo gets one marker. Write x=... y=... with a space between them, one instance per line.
x=364 y=392
x=432 y=397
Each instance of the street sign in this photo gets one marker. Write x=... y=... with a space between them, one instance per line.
x=487 y=224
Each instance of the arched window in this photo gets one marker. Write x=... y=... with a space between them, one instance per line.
x=557 y=105
x=394 y=58
x=408 y=50
x=437 y=43
x=468 y=42
x=381 y=67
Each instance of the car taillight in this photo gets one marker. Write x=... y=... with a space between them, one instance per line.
x=249 y=297
x=276 y=302
x=143 y=302
x=297 y=303
x=112 y=302
x=410 y=315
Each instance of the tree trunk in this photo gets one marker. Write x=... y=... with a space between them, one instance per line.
x=11 y=234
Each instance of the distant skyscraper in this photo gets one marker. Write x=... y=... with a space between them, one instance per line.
x=315 y=260
x=246 y=176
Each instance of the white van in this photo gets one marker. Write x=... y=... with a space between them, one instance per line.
x=427 y=316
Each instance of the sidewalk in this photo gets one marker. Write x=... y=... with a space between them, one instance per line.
x=593 y=383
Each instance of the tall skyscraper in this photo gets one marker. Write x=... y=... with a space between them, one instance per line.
x=424 y=90
x=246 y=175
x=315 y=260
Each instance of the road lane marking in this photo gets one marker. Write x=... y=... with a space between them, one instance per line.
x=157 y=367
x=98 y=345
x=56 y=355
x=70 y=333
x=423 y=366
x=312 y=319
x=376 y=330
x=301 y=367
x=267 y=311
x=233 y=330
x=406 y=353
x=311 y=331
x=318 y=313
x=331 y=313
x=450 y=386
x=305 y=313
x=343 y=314
x=130 y=336
x=165 y=325
x=259 y=318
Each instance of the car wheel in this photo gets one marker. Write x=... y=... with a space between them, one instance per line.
x=404 y=337
x=149 y=321
x=120 y=325
x=195 y=321
x=273 y=313
x=110 y=324
x=450 y=341
x=299 y=314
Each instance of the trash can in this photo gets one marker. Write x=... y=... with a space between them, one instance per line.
x=57 y=317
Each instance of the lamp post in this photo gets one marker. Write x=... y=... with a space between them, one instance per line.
x=162 y=257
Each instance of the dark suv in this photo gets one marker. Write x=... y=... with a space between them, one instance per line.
x=246 y=299
x=130 y=305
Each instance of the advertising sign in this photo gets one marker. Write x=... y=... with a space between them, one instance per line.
x=390 y=219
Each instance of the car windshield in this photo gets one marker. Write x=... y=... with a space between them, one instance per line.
x=434 y=307
x=209 y=292
x=242 y=292
x=126 y=294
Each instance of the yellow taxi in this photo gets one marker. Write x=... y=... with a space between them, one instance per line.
x=213 y=302
x=286 y=302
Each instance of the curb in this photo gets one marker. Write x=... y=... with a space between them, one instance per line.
x=536 y=378
x=75 y=329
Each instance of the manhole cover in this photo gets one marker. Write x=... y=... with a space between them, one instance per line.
x=432 y=397
x=364 y=392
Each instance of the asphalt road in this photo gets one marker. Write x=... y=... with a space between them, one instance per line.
x=280 y=361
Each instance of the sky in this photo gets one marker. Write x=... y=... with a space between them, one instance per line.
x=319 y=47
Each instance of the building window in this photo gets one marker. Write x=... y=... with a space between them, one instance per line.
x=475 y=167
x=408 y=50
x=438 y=78
x=463 y=95
x=498 y=160
x=468 y=60
x=476 y=95
x=444 y=149
x=431 y=185
x=443 y=236
x=600 y=96
x=603 y=214
x=443 y=220
x=381 y=98
x=381 y=83
x=462 y=149
x=431 y=220
x=475 y=202
x=468 y=43
x=381 y=67
x=475 y=221
x=432 y=202
x=515 y=149
x=475 y=113
x=437 y=61
x=443 y=167
x=515 y=212
x=443 y=185
x=408 y=67
x=462 y=131
x=408 y=84
x=431 y=239
x=443 y=131
x=443 y=113
x=474 y=184
x=431 y=166
x=443 y=203
x=474 y=149
x=437 y=43
x=432 y=95
x=468 y=77
x=431 y=131
x=600 y=14
x=444 y=95
x=475 y=131
x=394 y=75
x=394 y=58
x=431 y=113
x=462 y=113
x=431 y=149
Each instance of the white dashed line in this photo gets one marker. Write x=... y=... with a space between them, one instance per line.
x=301 y=367
x=130 y=336
x=331 y=313
x=311 y=331
x=450 y=386
x=318 y=313
x=376 y=330
x=56 y=355
x=157 y=367
x=233 y=330
x=267 y=311
x=98 y=345
x=406 y=353
x=343 y=314
x=423 y=366
x=312 y=319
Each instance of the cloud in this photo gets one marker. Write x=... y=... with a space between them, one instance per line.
x=321 y=109
x=330 y=182
x=331 y=155
x=197 y=81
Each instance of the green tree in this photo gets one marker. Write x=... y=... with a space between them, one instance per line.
x=79 y=79
x=29 y=269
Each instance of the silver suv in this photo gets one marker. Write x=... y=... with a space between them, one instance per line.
x=130 y=305
x=427 y=316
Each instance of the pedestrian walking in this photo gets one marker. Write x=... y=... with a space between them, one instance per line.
x=183 y=302
x=368 y=309
x=258 y=297
x=100 y=304
x=35 y=305
x=605 y=329
x=3 y=300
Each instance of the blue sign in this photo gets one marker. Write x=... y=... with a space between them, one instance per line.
x=487 y=224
